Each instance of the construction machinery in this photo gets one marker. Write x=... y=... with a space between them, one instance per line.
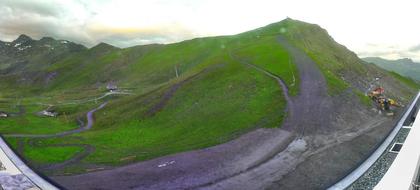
x=384 y=103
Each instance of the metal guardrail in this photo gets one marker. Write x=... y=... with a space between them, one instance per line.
x=363 y=167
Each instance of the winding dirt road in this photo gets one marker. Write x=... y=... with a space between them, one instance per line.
x=90 y=121
x=87 y=149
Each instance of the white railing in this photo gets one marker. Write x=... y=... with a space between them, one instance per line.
x=403 y=173
x=14 y=165
x=359 y=171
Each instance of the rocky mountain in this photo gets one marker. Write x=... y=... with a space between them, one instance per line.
x=31 y=58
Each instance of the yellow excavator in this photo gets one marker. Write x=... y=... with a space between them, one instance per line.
x=377 y=95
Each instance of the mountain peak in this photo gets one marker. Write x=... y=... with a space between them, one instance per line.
x=103 y=46
x=47 y=39
x=22 y=38
x=407 y=60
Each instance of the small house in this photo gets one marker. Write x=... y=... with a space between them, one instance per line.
x=3 y=114
x=49 y=113
x=112 y=87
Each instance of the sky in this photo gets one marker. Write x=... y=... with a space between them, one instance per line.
x=385 y=28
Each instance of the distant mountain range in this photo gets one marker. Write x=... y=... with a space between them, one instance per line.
x=405 y=67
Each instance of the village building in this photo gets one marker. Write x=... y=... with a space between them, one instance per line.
x=112 y=87
x=3 y=114
x=49 y=113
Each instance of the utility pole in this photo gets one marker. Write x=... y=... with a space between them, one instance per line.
x=176 y=71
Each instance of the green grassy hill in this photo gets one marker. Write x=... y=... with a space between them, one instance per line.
x=214 y=99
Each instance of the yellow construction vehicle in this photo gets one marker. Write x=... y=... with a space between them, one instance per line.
x=377 y=95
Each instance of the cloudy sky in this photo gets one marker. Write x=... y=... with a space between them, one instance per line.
x=386 y=28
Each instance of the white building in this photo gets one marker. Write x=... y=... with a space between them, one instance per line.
x=111 y=87
x=49 y=113
x=3 y=114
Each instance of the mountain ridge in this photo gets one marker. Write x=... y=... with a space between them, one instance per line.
x=405 y=66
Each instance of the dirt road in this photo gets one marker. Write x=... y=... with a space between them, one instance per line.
x=87 y=149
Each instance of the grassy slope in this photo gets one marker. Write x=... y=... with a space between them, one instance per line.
x=223 y=101
x=407 y=81
x=43 y=154
x=232 y=100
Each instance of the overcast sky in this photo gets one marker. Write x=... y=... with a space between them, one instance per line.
x=387 y=28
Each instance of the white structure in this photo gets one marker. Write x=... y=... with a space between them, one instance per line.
x=404 y=171
x=3 y=115
x=17 y=175
x=111 y=87
x=359 y=171
x=49 y=113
